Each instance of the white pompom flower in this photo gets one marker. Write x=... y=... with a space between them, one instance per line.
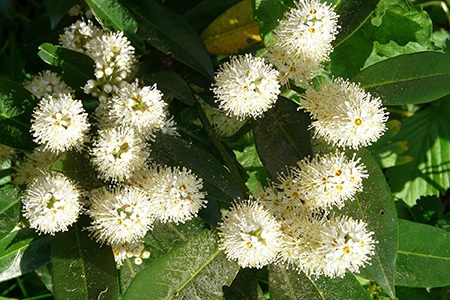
x=46 y=84
x=51 y=203
x=250 y=235
x=60 y=123
x=345 y=114
x=175 y=194
x=302 y=40
x=330 y=180
x=119 y=216
x=246 y=86
x=118 y=152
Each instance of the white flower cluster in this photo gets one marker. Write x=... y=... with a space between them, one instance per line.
x=294 y=224
x=135 y=194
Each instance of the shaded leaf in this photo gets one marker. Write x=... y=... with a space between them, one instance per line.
x=282 y=137
x=352 y=15
x=77 y=67
x=375 y=206
x=171 y=83
x=423 y=256
x=428 y=133
x=81 y=268
x=268 y=12
x=172 y=151
x=243 y=287
x=196 y=269
x=21 y=252
x=16 y=107
x=170 y=33
x=289 y=284
x=9 y=209
x=409 y=78
x=232 y=31
x=115 y=17
x=58 y=9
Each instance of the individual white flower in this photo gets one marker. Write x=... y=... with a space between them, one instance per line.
x=250 y=235
x=302 y=40
x=246 y=86
x=114 y=61
x=79 y=34
x=175 y=194
x=51 y=203
x=345 y=115
x=46 y=84
x=33 y=165
x=119 y=216
x=135 y=250
x=347 y=245
x=60 y=123
x=141 y=108
x=330 y=179
x=118 y=152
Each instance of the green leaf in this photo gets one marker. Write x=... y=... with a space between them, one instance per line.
x=410 y=78
x=289 y=284
x=170 y=83
x=170 y=33
x=115 y=17
x=268 y=12
x=81 y=268
x=16 y=107
x=172 y=150
x=352 y=15
x=196 y=267
x=21 y=252
x=77 y=67
x=428 y=134
x=282 y=137
x=58 y=9
x=9 y=209
x=375 y=206
x=423 y=256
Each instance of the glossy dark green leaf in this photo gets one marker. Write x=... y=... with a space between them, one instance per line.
x=16 y=107
x=196 y=268
x=282 y=137
x=115 y=17
x=77 y=67
x=56 y=9
x=352 y=15
x=9 y=209
x=82 y=269
x=410 y=78
x=428 y=135
x=172 y=150
x=289 y=284
x=170 y=83
x=375 y=206
x=171 y=34
x=23 y=251
x=423 y=256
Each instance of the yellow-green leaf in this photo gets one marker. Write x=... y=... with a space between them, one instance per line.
x=232 y=31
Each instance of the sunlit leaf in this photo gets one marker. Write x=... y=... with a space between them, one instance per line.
x=81 y=269
x=289 y=284
x=232 y=31
x=423 y=256
x=171 y=34
x=16 y=106
x=21 y=252
x=77 y=67
x=196 y=268
x=428 y=134
x=9 y=209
